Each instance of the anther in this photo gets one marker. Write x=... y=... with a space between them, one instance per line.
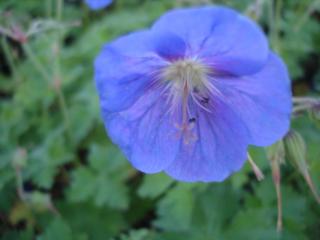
x=191 y=120
x=205 y=100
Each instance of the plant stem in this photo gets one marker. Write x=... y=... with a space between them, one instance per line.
x=279 y=204
x=59 y=9
x=20 y=190
x=64 y=109
x=49 y=8
x=302 y=107
x=276 y=28
x=57 y=71
x=312 y=187
x=305 y=99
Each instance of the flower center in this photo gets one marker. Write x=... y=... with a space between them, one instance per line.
x=188 y=81
x=187 y=71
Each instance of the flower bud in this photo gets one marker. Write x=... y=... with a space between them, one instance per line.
x=276 y=152
x=296 y=152
x=295 y=147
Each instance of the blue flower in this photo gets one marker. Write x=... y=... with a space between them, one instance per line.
x=98 y=4
x=190 y=94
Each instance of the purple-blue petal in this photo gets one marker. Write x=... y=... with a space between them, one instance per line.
x=229 y=41
x=168 y=45
x=262 y=100
x=220 y=150
x=130 y=65
x=145 y=132
x=98 y=4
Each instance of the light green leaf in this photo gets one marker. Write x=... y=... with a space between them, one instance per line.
x=175 y=209
x=154 y=185
x=57 y=229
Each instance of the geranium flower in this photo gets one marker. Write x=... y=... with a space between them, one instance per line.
x=98 y=4
x=190 y=94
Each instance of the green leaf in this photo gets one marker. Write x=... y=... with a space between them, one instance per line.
x=154 y=185
x=103 y=181
x=44 y=160
x=83 y=185
x=175 y=209
x=15 y=234
x=111 y=192
x=57 y=229
x=92 y=222
x=141 y=234
x=252 y=222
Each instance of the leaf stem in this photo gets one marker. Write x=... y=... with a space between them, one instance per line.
x=312 y=187
x=305 y=99
x=279 y=205
x=274 y=23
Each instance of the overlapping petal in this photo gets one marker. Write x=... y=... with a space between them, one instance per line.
x=229 y=41
x=127 y=67
x=146 y=132
x=262 y=100
x=127 y=74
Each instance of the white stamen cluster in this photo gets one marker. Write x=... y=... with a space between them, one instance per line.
x=187 y=78
x=187 y=71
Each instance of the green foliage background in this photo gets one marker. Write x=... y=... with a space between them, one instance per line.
x=76 y=185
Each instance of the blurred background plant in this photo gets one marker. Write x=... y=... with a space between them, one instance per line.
x=61 y=178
